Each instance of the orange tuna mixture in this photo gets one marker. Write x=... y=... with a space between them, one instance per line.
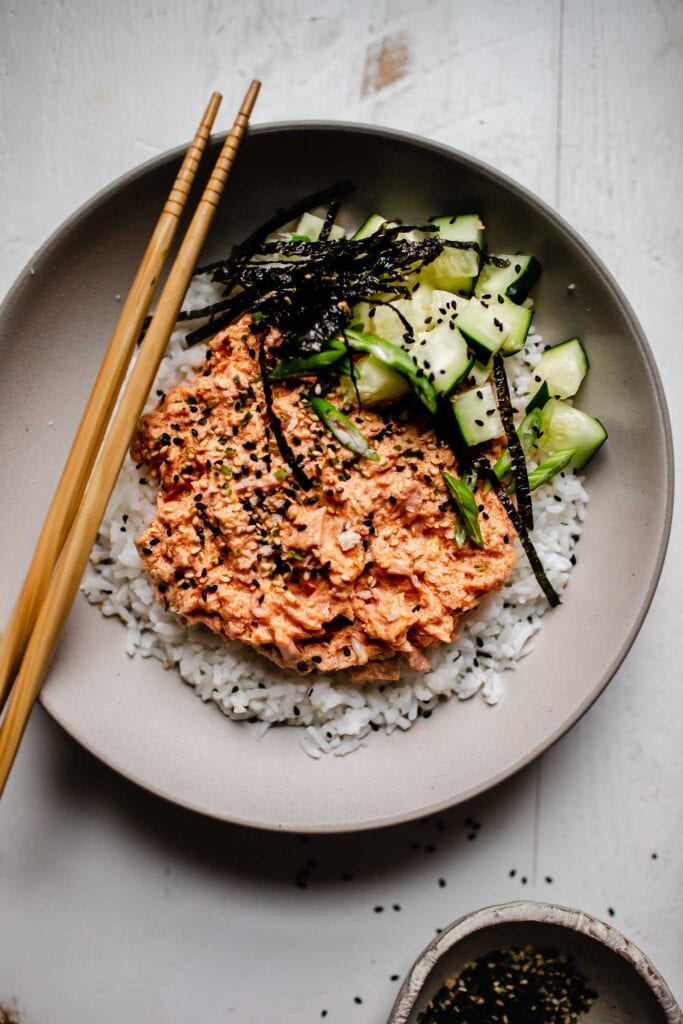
x=351 y=576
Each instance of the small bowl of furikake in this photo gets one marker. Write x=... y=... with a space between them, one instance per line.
x=533 y=963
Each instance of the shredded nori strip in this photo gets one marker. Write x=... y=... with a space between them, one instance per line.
x=282 y=216
x=498 y=261
x=519 y=469
x=306 y=290
x=330 y=218
x=486 y=471
x=282 y=443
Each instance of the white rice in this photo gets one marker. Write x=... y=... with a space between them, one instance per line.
x=335 y=717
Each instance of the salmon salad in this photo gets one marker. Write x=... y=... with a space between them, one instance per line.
x=355 y=576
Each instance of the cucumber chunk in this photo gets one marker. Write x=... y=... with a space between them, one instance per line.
x=518 y=320
x=514 y=281
x=484 y=328
x=477 y=416
x=565 y=427
x=563 y=368
x=443 y=355
x=539 y=399
x=455 y=270
x=376 y=383
x=384 y=321
x=477 y=374
x=434 y=305
x=369 y=226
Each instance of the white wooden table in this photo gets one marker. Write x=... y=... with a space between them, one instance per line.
x=117 y=907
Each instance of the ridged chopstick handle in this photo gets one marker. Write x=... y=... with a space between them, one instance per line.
x=216 y=183
x=175 y=204
x=74 y=558
x=98 y=410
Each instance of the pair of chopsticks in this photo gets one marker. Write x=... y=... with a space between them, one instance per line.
x=72 y=522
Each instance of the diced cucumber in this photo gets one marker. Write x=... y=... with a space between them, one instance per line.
x=515 y=280
x=311 y=226
x=539 y=399
x=565 y=427
x=483 y=327
x=477 y=416
x=477 y=374
x=369 y=226
x=443 y=355
x=376 y=383
x=455 y=270
x=432 y=305
x=383 y=320
x=562 y=368
x=518 y=320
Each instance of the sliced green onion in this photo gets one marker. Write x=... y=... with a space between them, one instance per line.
x=528 y=433
x=308 y=366
x=397 y=359
x=467 y=510
x=342 y=428
x=553 y=465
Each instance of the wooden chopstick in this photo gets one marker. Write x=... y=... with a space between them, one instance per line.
x=67 y=575
x=97 y=413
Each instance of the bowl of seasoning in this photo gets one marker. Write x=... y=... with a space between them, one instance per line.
x=533 y=963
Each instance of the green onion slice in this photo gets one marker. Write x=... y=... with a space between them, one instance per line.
x=397 y=359
x=308 y=366
x=528 y=433
x=467 y=510
x=341 y=427
x=550 y=467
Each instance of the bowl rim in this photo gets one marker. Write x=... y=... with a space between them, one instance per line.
x=523 y=911
x=597 y=266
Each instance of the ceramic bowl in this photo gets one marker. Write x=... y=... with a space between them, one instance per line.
x=144 y=721
x=629 y=988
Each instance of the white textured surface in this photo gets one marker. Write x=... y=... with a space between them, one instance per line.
x=115 y=906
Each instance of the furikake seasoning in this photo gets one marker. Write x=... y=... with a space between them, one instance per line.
x=513 y=986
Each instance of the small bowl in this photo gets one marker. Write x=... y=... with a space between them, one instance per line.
x=630 y=990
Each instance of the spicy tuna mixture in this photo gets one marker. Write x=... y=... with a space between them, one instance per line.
x=352 y=575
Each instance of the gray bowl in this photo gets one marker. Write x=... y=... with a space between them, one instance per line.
x=142 y=720
x=630 y=990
